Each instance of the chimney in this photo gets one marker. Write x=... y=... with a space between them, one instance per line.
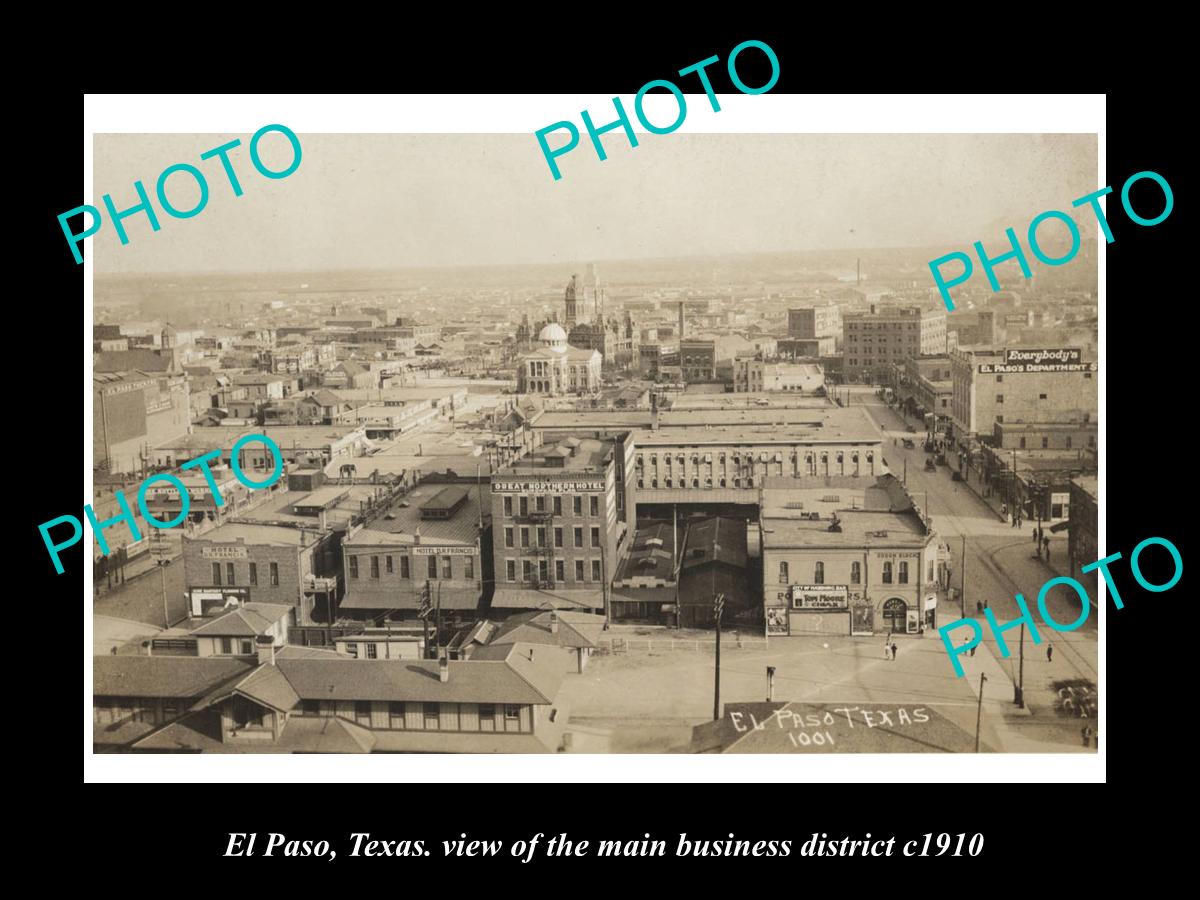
x=443 y=669
x=322 y=521
x=264 y=645
x=553 y=622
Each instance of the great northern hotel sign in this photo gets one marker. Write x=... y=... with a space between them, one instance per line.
x=1019 y=361
x=548 y=487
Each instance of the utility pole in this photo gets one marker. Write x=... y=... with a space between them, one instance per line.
x=979 y=712
x=770 y=683
x=718 y=608
x=162 y=570
x=905 y=479
x=962 y=594
x=1020 y=691
x=604 y=580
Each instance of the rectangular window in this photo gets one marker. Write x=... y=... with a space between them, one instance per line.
x=431 y=566
x=595 y=536
x=999 y=398
x=539 y=503
x=227 y=646
x=577 y=505
x=275 y=574
x=541 y=537
x=447 y=568
x=596 y=576
x=524 y=537
x=524 y=505
x=404 y=567
x=247 y=648
x=216 y=573
x=593 y=505
x=432 y=716
x=374 y=566
x=508 y=537
x=508 y=506
x=469 y=568
x=1041 y=396
x=487 y=716
x=389 y=568
x=396 y=713
x=558 y=537
x=352 y=650
x=512 y=716
x=1045 y=443
x=253 y=573
x=560 y=573
x=578 y=539
x=557 y=505
x=372 y=653
x=362 y=708
x=510 y=569
x=579 y=571
x=526 y=571
x=229 y=576
x=353 y=566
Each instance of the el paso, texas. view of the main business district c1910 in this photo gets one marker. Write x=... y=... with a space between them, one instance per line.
x=681 y=454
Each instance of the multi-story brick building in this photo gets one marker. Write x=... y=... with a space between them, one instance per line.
x=874 y=341
x=557 y=533
x=1020 y=385
x=436 y=534
x=292 y=566
x=847 y=558
x=815 y=322
x=698 y=359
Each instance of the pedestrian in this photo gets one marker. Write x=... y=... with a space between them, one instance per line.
x=979 y=607
x=1086 y=734
x=893 y=651
x=1004 y=510
x=973 y=646
x=1049 y=653
x=1036 y=539
x=886 y=648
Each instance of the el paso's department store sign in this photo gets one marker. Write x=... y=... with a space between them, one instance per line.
x=547 y=487
x=1028 y=361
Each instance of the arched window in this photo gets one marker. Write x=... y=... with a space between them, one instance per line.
x=855 y=573
x=783 y=573
x=819 y=573
x=887 y=573
x=904 y=573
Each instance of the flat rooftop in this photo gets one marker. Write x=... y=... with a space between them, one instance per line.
x=859 y=528
x=569 y=455
x=403 y=518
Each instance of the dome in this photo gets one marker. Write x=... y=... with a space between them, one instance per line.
x=553 y=335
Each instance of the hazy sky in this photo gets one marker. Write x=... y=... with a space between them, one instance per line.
x=384 y=201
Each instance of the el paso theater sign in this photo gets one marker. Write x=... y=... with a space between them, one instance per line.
x=1026 y=361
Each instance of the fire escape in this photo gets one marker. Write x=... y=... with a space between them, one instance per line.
x=542 y=522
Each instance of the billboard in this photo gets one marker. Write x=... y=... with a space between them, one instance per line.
x=1022 y=361
x=822 y=597
x=547 y=487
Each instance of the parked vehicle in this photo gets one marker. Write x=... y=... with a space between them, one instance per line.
x=909 y=443
x=929 y=466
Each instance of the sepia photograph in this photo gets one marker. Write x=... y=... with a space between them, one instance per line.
x=729 y=443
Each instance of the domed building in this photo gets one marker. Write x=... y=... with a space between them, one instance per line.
x=555 y=368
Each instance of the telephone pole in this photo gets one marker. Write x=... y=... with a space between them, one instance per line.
x=718 y=608
x=979 y=711
x=962 y=594
x=1020 y=691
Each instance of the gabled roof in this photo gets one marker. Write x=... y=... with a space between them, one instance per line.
x=412 y=680
x=717 y=539
x=163 y=676
x=266 y=685
x=534 y=628
x=245 y=621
